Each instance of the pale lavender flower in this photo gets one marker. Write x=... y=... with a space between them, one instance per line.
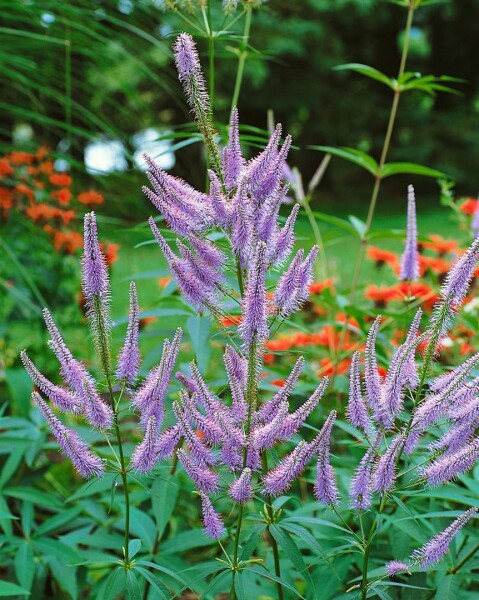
x=206 y=398
x=434 y=550
x=455 y=439
x=206 y=275
x=306 y=274
x=361 y=488
x=450 y=466
x=212 y=431
x=168 y=440
x=458 y=279
x=325 y=488
x=97 y=413
x=260 y=167
x=242 y=232
x=410 y=258
x=287 y=291
x=283 y=243
x=207 y=252
x=85 y=462
x=94 y=267
x=235 y=371
x=393 y=567
x=232 y=158
x=372 y=379
x=145 y=455
x=295 y=420
x=201 y=453
x=279 y=479
x=266 y=217
x=386 y=470
x=254 y=326
x=129 y=358
x=232 y=456
x=61 y=397
x=214 y=527
x=189 y=73
x=241 y=489
x=357 y=412
x=264 y=437
x=204 y=478
x=187 y=382
x=269 y=409
x=221 y=208
x=149 y=399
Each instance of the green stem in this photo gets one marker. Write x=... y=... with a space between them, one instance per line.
x=243 y=49
x=462 y=562
x=378 y=178
x=274 y=544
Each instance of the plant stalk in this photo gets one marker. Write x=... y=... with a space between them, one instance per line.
x=243 y=48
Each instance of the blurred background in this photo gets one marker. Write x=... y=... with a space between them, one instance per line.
x=88 y=86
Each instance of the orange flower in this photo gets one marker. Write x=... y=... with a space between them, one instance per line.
x=63 y=196
x=41 y=211
x=111 y=253
x=329 y=368
x=417 y=290
x=469 y=206
x=318 y=286
x=440 y=245
x=437 y=265
x=46 y=168
x=65 y=215
x=382 y=257
x=5 y=168
x=145 y=320
x=230 y=321
x=164 y=281
x=42 y=152
x=380 y=295
x=21 y=158
x=90 y=197
x=24 y=190
x=62 y=179
x=278 y=382
x=70 y=241
x=382 y=372
x=6 y=199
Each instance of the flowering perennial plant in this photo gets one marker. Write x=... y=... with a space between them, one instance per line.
x=232 y=445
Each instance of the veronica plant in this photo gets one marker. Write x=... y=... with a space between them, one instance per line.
x=395 y=412
x=82 y=396
x=239 y=430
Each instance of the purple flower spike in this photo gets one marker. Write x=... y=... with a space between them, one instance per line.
x=145 y=455
x=190 y=74
x=207 y=252
x=357 y=412
x=361 y=483
x=283 y=244
x=282 y=476
x=97 y=413
x=450 y=466
x=294 y=421
x=94 y=267
x=241 y=489
x=306 y=274
x=254 y=327
x=268 y=410
x=204 y=478
x=386 y=470
x=475 y=221
x=371 y=373
x=129 y=358
x=61 y=397
x=242 y=232
x=325 y=489
x=214 y=527
x=287 y=290
x=232 y=158
x=432 y=552
x=410 y=258
x=394 y=567
x=458 y=279
x=85 y=462
x=168 y=440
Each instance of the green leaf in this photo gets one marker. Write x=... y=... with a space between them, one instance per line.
x=143 y=526
x=51 y=547
x=164 y=493
x=239 y=586
x=11 y=465
x=11 y=589
x=162 y=569
x=133 y=548
x=113 y=586
x=34 y=496
x=25 y=565
x=65 y=575
x=199 y=329
x=359 y=226
x=367 y=71
x=159 y=587
x=186 y=540
x=133 y=588
x=292 y=551
x=19 y=387
x=58 y=520
x=357 y=157
x=448 y=588
x=267 y=575
x=400 y=168
x=337 y=221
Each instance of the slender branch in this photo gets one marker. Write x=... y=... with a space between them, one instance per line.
x=243 y=48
